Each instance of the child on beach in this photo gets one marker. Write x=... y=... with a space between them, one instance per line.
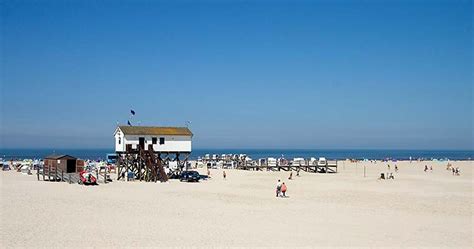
x=283 y=189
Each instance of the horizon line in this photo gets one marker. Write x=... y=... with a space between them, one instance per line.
x=293 y=149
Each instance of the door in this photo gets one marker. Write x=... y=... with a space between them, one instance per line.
x=71 y=166
x=141 y=142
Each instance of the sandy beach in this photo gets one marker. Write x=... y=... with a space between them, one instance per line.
x=417 y=209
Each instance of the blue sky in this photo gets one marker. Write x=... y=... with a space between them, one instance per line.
x=247 y=74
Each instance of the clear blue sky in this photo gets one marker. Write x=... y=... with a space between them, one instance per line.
x=248 y=74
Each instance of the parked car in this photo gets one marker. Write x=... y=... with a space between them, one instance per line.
x=189 y=176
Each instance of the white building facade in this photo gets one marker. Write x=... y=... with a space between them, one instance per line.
x=163 y=139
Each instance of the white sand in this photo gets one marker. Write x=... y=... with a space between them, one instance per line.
x=417 y=209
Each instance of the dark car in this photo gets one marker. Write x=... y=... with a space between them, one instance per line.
x=189 y=176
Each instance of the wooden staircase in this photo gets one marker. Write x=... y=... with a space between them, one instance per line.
x=154 y=167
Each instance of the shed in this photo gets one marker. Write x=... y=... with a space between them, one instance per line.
x=66 y=163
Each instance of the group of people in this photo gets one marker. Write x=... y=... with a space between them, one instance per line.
x=389 y=176
x=224 y=175
x=291 y=174
x=449 y=166
x=456 y=171
x=281 y=189
x=426 y=168
x=396 y=167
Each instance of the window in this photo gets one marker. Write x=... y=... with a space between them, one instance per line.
x=153 y=140
x=162 y=140
x=120 y=140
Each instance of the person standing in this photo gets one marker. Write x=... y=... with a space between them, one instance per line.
x=223 y=174
x=278 y=188
x=283 y=189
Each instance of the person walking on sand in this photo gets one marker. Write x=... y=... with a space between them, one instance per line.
x=426 y=168
x=388 y=166
x=223 y=174
x=448 y=166
x=291 y=176
x=396 y=168
x=278 y=189
x=283 y=189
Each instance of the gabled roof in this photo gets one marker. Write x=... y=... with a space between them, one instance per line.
x=57 y=157
x=154 y=130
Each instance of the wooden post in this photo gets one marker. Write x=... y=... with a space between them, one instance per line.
x=62 y=176
x=126 y=169
x=118 y=166
x=69 y=178
x=364 y=170
x=105 y=176
x=38 y=173
x=43 y=171
x=49 y=173
x=97 y=175
x=140 y=167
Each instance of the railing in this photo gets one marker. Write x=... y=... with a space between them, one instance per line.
x=55 y=174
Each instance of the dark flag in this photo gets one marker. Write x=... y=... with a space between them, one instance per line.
x=128 y=122
x=133 y=112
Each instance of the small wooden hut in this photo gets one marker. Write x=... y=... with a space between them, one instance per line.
x=65 y=163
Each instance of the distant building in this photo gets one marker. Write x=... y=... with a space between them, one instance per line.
x=163 y=139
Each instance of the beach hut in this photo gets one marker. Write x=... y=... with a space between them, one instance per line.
x=65 y=163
